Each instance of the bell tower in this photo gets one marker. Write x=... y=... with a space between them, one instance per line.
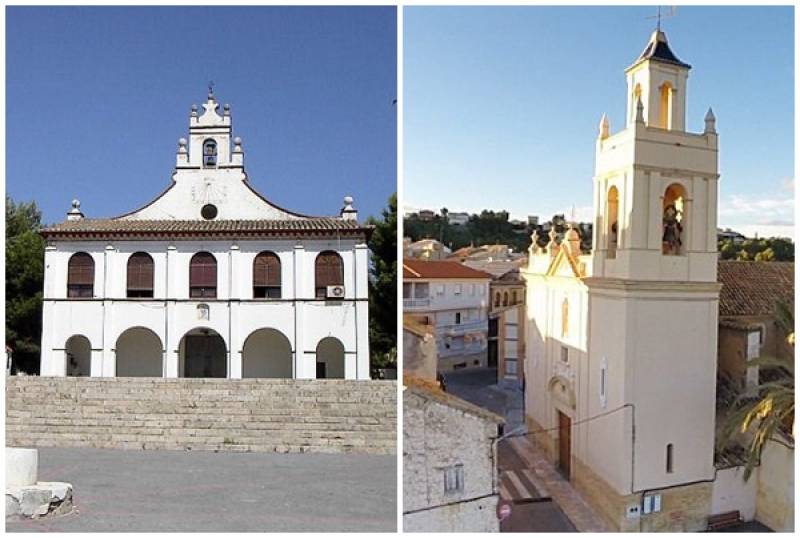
x=653 y=299
x=656 y=182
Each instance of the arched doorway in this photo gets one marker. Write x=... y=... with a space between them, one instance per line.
x=330 y=359
x=267 y=353
x=139 y=353
x=78 y=353
x=202 y=353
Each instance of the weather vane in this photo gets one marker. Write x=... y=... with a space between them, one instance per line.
x=210 y=87
x=658 y=16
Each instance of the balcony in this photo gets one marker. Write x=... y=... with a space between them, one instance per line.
x=463 y=328
x=416 y=304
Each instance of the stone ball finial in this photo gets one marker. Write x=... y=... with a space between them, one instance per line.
x=226 y=109
x=237 y=141
x=182 y=142
x=194 y=111
x=348 y=200
x=76 y=204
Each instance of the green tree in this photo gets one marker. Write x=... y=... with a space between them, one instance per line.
x=383 y=288
x=24 y=281
x=766 y=411
x=766 y=255
x=727 y=249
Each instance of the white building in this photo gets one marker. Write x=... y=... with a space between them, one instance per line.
x=621 y=345
x=450 y=479
x=209 y=279
x=455 y=300
x=458 y=218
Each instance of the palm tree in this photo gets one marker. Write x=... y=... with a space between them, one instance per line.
x=764 y=412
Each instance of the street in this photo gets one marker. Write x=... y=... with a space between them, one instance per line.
x=155 y=490
x=533 y=509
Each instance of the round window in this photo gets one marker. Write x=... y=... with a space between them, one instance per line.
x=209 y=211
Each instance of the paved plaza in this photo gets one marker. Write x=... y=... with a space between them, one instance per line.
x=147 y=491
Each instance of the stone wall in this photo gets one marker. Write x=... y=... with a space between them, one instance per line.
x=260 y=415
x=775 y=487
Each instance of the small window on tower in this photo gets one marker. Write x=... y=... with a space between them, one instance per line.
x=210 y=153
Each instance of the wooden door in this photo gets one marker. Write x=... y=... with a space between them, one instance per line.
x=564 y=443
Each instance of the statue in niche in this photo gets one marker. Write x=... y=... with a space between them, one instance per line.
x=671 y=240
x=612 y=240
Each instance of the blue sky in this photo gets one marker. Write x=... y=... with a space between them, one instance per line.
x=97 y=98
x=502 y=104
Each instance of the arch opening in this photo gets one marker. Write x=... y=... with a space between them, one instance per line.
x=267 y=353
x=139 y=353
x=330 y=359
x=665 y=116
x=78 y=354
x=202 y=353
x=673 y=221
x=612 y=220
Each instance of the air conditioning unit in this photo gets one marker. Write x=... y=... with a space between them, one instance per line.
x=335 y=292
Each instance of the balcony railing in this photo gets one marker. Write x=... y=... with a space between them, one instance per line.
x=463 y=328
x=416 y=303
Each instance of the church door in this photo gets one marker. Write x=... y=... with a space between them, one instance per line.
x=564 y=443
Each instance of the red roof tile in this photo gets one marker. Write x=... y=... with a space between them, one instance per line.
x=753 y=288
x=154 y=229
x=413 y=269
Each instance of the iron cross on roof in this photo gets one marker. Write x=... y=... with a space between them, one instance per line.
x=210 y=87
x=658 y=16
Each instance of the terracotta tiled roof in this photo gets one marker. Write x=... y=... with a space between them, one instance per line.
x=439 y=269
x=431 y=391
x=753 y=288
x=154 y=229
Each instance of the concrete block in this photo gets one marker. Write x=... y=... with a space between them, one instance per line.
x=22 y=466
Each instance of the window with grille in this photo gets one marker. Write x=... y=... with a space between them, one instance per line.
x=80 y=276
x=454 y=478
x=267 y=276
x=140 y=275
x=203 y=275
x=328 y=271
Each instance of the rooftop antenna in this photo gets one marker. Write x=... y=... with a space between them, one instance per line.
x=658 y=16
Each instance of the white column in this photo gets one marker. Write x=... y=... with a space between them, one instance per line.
x=108 y=366
x=304 y=364
x=361 y=267
x=172 y=340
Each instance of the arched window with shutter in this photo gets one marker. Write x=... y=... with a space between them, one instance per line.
x=80 y=276
x=328 y=271
x=267 y=276
x=140 y=275
x=203 y=275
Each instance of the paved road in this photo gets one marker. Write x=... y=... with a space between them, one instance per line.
x=475 y=386
x=119 y=490
x=532 y=508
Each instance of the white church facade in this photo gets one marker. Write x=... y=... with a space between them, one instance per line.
x=622 y=343
x=210 y=279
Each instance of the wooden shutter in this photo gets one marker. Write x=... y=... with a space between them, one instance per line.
x=267 y=270
x=329 y=270
x=140 y=272
x=203 y=273
x=80 y=275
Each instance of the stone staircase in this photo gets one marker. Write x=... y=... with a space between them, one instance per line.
x=259 y=415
